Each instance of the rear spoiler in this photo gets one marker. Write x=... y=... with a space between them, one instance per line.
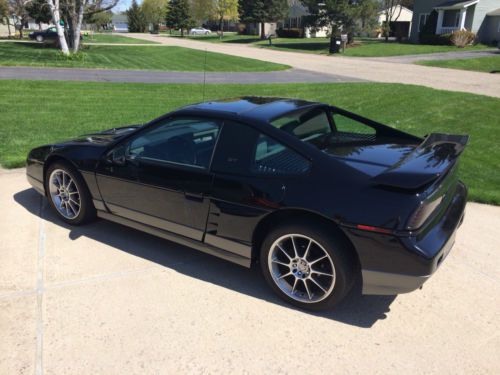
x=431 y=159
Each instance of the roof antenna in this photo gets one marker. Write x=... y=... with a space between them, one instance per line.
x=204 y=74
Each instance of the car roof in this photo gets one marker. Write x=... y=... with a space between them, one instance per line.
x=251 y=107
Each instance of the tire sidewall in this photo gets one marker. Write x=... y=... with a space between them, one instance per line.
x=87 y=210
x=335 y=248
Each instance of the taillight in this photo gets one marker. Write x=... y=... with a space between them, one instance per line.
x=423 y=212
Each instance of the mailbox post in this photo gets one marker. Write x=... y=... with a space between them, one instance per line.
x=343 y=38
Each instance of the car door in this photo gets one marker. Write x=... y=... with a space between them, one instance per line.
x=51 y=33
x=160 y=176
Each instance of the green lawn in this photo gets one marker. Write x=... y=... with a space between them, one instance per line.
x=489 y=64
x=111 y=38
x=38 y=112
x=363 y=47
x=131 y=57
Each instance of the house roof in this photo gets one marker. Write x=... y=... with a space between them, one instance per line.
x=456 y=4
x=495 y=12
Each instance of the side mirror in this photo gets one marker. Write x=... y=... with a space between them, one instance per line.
x=117 y=156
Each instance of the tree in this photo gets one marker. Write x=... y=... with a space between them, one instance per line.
x=39 y=10
x=101 y=20
x=262 y=11
x=154 y=11
x=18 y=9
x=392 y=11
x=368 y=15
x=201 y=10
x=136 y=20
x=224 y=10
x=4 y=14
x=179 y=15
x=338 y=15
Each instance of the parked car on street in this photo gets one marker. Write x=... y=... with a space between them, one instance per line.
x=317 y=195
x=199 y=31
x=47 y=35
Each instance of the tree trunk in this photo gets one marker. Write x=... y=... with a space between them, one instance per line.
x=262 y=30
x=182 y=32
x=54 y=10
x=78 y=27
x=221 y=26
x=8 y=27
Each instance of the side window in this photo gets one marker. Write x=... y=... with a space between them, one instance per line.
x=348 y=129
x=271 y=157
x=183 y=141
x=243 y=150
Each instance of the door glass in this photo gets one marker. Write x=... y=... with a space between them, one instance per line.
x=185 y=141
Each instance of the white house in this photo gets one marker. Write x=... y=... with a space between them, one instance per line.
x=401 y=20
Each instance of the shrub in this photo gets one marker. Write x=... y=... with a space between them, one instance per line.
x=462 y=38
x=440 y=40
x=289 y=33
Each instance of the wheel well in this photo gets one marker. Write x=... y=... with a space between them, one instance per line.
x=288 y=216
x=51 y=160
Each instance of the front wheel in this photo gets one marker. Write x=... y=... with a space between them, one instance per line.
x=68 y=194
x=307 y=266
x=39 y=38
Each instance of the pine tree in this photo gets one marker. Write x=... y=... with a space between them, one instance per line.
x=261 y=11
x=179 y=15
x=136 y=19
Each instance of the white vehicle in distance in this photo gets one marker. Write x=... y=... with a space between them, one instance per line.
x=199 y=31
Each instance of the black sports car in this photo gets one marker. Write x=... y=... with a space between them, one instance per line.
x=317 y=194
x=49 y=34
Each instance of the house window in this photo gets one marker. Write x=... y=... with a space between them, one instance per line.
x=422 y=20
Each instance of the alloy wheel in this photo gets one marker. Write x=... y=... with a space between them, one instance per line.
x=64 y=194
x=301 y=268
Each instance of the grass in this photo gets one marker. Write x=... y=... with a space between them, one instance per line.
x=364 y=47
x=111 y=38
x=131 y=57
x=37 y=112
x=489 y=64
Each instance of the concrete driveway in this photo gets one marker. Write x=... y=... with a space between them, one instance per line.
x=105 y=299
x=360 y=68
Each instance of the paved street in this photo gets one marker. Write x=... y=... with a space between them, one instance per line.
x=105 y=299
x=152 y=76
x=361 y=68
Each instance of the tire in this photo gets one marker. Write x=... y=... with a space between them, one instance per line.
x=39 y=38
x=338 y=262
x=73 y=203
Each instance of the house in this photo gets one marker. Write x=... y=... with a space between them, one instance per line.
x=479 y=16
x=120 y=22
x=295 y=20
x=401 y=20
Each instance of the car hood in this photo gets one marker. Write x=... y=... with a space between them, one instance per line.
x=102 y=138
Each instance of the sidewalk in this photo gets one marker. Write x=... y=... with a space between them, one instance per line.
x=361 y=68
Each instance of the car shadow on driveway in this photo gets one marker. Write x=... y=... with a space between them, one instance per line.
x=356 y=309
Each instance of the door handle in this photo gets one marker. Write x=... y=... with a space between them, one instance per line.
x=197 y=197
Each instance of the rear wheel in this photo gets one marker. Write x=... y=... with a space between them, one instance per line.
x=68 y=194
x=307 y=266
x=39 y=38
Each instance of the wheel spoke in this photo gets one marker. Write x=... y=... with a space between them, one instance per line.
x=294 y=285
x=279 y=262
x=307 y=288
x=58 y=179
x=75 y=210
x=317 y=284
x=283 y=251
x=317 y=260
x=322 y=273
x=295 y=248
x=307 y=249
x=285 y=275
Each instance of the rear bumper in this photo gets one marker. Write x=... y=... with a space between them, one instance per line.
x=393 y=265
